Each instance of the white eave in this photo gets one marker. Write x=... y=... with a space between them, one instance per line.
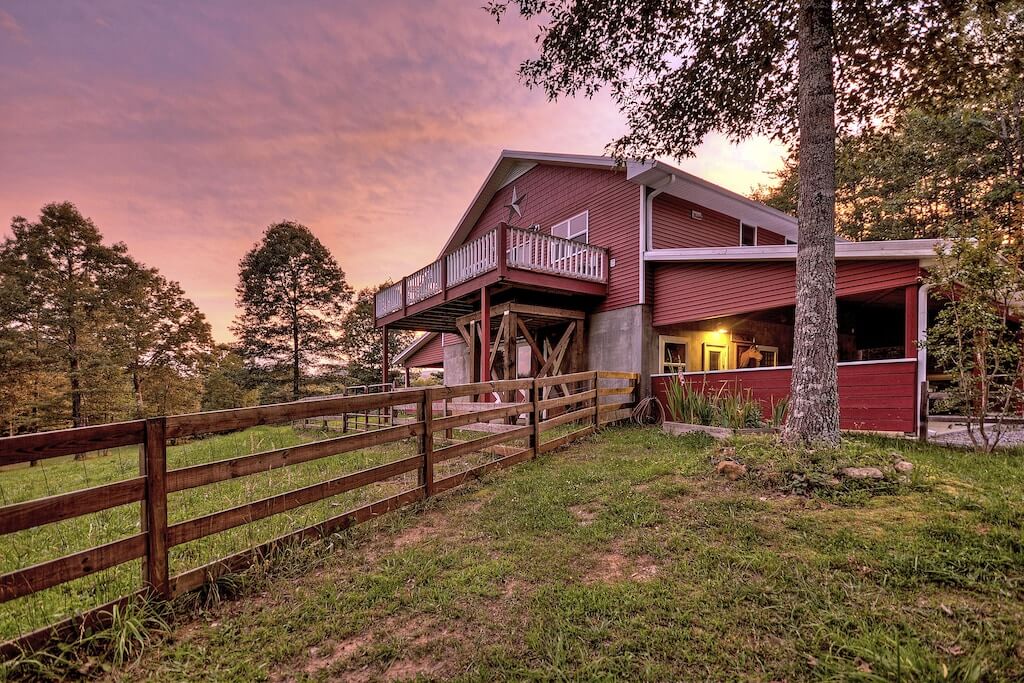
x=875 y=251
x=705 y=193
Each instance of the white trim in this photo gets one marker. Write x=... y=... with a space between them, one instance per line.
x=922 y=351
x=671 y=339
x=785 y=367
x=643 y=245
x=894 y=249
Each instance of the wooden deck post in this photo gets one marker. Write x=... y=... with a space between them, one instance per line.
x=385 y=360
x=156 y=570
x=485 y=335
x=535 y=418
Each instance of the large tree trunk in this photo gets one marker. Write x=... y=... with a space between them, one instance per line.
x=814 y=403
x=295 y=359
x=75 y=378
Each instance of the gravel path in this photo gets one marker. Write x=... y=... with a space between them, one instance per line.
x=1013 y=435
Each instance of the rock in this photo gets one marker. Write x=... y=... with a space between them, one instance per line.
x=862 y=473
x=903 y=466
x=730 y=469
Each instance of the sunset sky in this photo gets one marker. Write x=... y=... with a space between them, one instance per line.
x=185 y=128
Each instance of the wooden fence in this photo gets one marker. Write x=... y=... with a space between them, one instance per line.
x=592 y=399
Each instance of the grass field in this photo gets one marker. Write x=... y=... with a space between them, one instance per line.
x=31 y=546
x=626 y=558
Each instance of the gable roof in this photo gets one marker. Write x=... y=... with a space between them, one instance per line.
x=417 y=344
x=511 y=164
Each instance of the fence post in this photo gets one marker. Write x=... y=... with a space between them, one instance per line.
x=154 y=513
x=535 y=418
x=427 y=441
x=597 y=401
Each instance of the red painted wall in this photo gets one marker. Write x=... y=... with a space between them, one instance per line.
x=673 y=227
x=766 y=237
x=872 y=396
x=555 y=193
x=429 y=355
x=684 y=292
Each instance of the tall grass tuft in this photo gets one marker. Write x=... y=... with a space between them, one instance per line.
x=721 y=408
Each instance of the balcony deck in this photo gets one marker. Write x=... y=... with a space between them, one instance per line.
x=435 y=295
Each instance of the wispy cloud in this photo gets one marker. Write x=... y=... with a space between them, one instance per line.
x=185 y=129
x=11 y=27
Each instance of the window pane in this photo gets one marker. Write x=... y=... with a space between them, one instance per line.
x=748 y=235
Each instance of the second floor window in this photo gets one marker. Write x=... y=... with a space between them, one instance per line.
x=748 y=235
x=576 y=228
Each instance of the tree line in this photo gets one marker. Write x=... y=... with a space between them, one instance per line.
x=90 y=335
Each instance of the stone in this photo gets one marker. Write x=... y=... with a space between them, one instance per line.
x=730 y=469
x=862 y=473
x=904 y=466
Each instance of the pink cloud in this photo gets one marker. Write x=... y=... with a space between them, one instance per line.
x=185 y=130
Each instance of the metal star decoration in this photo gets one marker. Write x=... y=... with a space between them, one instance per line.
x=515 y=206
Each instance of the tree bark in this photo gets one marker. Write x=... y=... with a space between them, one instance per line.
x=814 y=398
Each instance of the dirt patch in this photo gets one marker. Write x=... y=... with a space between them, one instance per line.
x=585 y=514
x=319 y=660
x=616 y=565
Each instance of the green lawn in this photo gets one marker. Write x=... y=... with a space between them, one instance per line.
x=625 y=557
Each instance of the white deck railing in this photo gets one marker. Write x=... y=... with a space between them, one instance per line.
x=423 y=284
x=473 y=258
x=524 y=250
x=388 y=300
x=542 y=253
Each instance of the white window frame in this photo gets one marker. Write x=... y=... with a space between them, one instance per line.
x=748 y=225
x=704 y=356
x=667 y=367
x=568 y=223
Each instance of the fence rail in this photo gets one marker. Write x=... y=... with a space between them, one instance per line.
x=526 y=421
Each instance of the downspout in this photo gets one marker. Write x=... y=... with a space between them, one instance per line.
x=647 y=227
x=922 y=352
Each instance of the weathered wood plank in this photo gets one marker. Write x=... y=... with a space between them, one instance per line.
x=56 y=508
x=608 y=374
x=192 y=579
x=566 y=439
x=53 y=572
x=478 y=471
x=503 y=410
x=242 y=418
x=190 y=530
x=615 y=391
x=449 y=452
x=610 y=407
x=566 y=379
x=481 y=388
x=580 y=397
x=245 y=465
x=574 y=416
x=28 y=447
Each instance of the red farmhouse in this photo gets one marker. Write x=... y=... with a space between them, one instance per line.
x=575 y=263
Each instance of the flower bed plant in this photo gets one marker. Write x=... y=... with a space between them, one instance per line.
x=698 y=405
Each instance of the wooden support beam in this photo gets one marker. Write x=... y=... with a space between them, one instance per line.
x=554 y=360
x=485 y=335
x=385 y=359
x=910 y=324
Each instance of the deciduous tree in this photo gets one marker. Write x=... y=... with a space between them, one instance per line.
x=362 y=342
x=292 y=294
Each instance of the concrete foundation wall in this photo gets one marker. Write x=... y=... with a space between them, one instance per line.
x=622 y=341
x=456 y=364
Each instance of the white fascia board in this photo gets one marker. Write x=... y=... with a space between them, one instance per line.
x=892 y=250
x=705 y=193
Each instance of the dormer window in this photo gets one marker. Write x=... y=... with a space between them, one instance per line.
x=576 y=228
x=748 y=235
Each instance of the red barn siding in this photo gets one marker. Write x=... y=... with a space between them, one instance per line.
x=673 y=227
x=554 y=193
x=684 y=292
x=878 y=396
x=429 y=355
x=766 y=237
